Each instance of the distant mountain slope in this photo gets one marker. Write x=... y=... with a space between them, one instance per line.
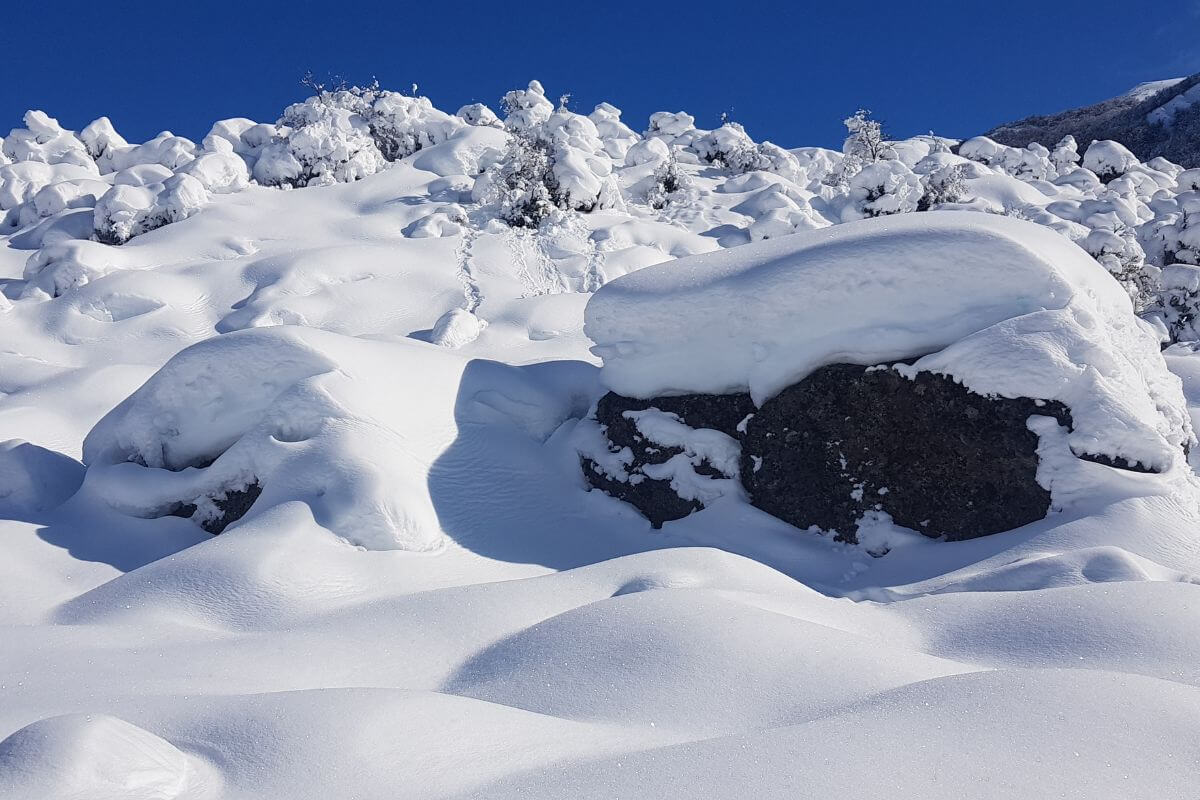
x=1161 y=118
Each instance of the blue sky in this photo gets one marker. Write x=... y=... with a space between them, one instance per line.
x=790 y=72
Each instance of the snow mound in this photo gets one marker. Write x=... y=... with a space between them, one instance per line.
x=34 y=479
x=300 y=413
x=128 y=211
x=1019 y=311
x=97 y=757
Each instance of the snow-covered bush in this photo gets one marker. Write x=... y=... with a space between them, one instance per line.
x=884 y=187
x=1177 y=304
x=401 y=125
x=102 y=141
x=43 y=139
x=320 y=141
x=946 y=184
x=1065 y=156
x=667 y=183
x=525 y=109
x=1121 y=255
x=558 y=163
x=1108 y=159
x=674 y=127
x=521 y=187
x=479 y=114
x=128 y=211
x=616 y=136
x=219 y=172
x=866 y=141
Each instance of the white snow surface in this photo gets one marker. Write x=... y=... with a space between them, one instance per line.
x=425 y=601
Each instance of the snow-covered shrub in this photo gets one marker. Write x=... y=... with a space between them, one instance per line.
x=668 y=182
x=19 y=182
x=1123 y=257
x=674 y=127
x=320 y=141
x=1108 y=159
x=55 y=268
x=43 y=139
x=230 y=131
x=479 y=114
x=1065 y=156
x=141 y=175
x=525 y=109
x=866 y=141
x=218 y=172
x=616 y=136
x=648 y=151
x=732 y=148
x=559 y=163
x=1177 y=304
x=102 y=141
x=166 y=149
x=521 y=187
x=946 y=184
x=884 y=187
x=401 y=125
x=128 y=211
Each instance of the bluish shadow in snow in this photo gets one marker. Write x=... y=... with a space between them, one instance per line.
x=510 y=486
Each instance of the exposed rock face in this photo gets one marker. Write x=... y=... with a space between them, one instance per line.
x=655 y=498
x=849 y=440
x=225 y=508
x=938 y=458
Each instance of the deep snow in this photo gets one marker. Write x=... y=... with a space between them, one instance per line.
x=425 y=601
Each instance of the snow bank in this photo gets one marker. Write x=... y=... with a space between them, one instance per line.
x=92 y=756
x=1020 y=310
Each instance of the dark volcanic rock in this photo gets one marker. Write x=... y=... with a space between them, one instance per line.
x=938 y=458
x=655 y=498
x=233 y=505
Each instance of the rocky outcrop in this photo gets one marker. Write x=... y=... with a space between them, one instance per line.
x=936 y=457
x=842 y=443
x=655 y=497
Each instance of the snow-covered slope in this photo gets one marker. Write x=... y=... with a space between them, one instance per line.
x=424 y=599
x=1153 y=119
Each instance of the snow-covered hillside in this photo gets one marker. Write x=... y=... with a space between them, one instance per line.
x=1157 y=118
x=352 y=341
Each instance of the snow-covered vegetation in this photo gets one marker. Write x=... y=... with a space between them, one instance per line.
x=368 y=342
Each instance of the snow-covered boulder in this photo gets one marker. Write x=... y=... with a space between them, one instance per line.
x=240 y=423
x=1001 y=307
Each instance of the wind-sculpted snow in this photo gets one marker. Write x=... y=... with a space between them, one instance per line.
x=375 y=388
